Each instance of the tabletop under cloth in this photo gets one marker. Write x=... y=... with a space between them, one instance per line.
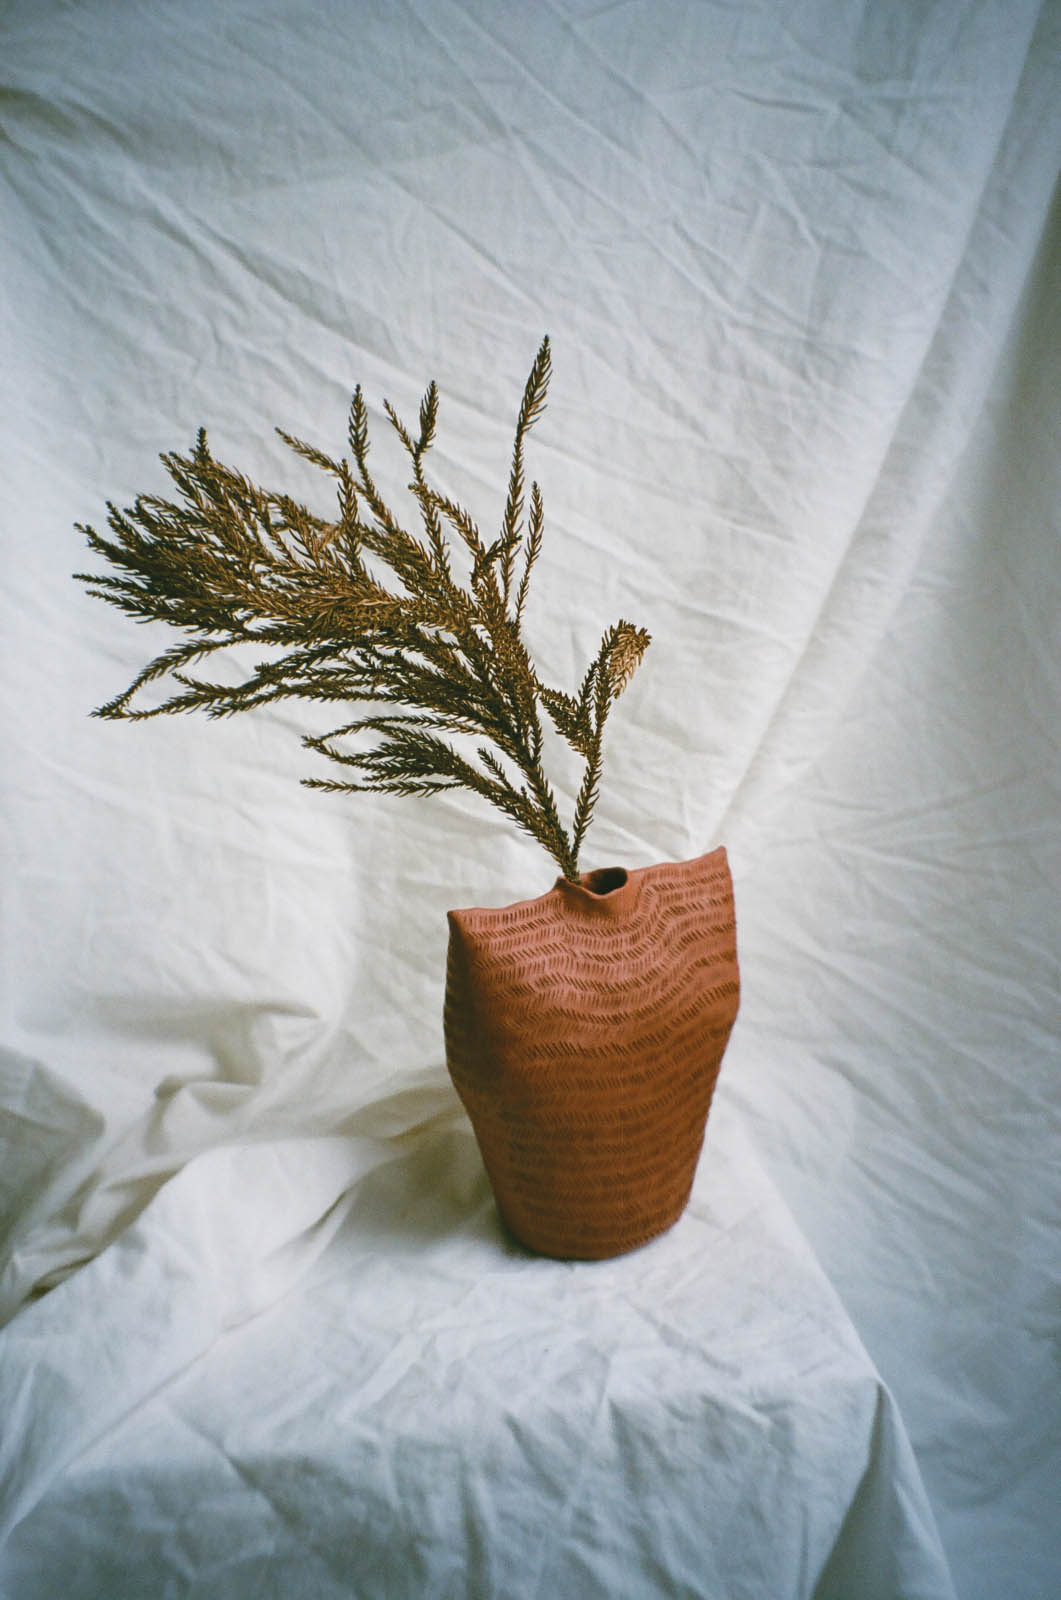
x=356 y=1383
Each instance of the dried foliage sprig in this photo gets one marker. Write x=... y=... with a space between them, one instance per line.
x=231 y=563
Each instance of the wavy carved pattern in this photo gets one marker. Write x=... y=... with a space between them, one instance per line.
x=584 y=1033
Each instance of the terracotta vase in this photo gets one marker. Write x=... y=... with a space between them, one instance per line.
x=584 y=1034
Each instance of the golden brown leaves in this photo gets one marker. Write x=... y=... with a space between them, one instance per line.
x=230 y=562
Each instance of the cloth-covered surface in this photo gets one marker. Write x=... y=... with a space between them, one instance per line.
x=399 y=1401
x=800 y=264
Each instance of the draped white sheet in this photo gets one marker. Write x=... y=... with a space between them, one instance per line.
x=801 y=268
x=398 y=1401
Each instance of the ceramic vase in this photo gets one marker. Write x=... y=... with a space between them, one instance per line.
x=584 y=1034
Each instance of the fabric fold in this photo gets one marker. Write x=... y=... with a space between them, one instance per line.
x=226 y=1237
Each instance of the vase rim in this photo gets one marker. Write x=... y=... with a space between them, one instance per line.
x=619 y=901
x=607 y=891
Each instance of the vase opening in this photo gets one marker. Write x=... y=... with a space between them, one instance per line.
x=605 y=880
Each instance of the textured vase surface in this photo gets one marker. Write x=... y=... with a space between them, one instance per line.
x=584 y=1034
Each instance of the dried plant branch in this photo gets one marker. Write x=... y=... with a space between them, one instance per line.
x=230 y=563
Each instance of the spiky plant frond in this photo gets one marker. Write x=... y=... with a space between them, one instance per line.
x=230 y=563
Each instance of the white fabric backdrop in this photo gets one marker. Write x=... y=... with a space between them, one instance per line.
x=801 y=267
